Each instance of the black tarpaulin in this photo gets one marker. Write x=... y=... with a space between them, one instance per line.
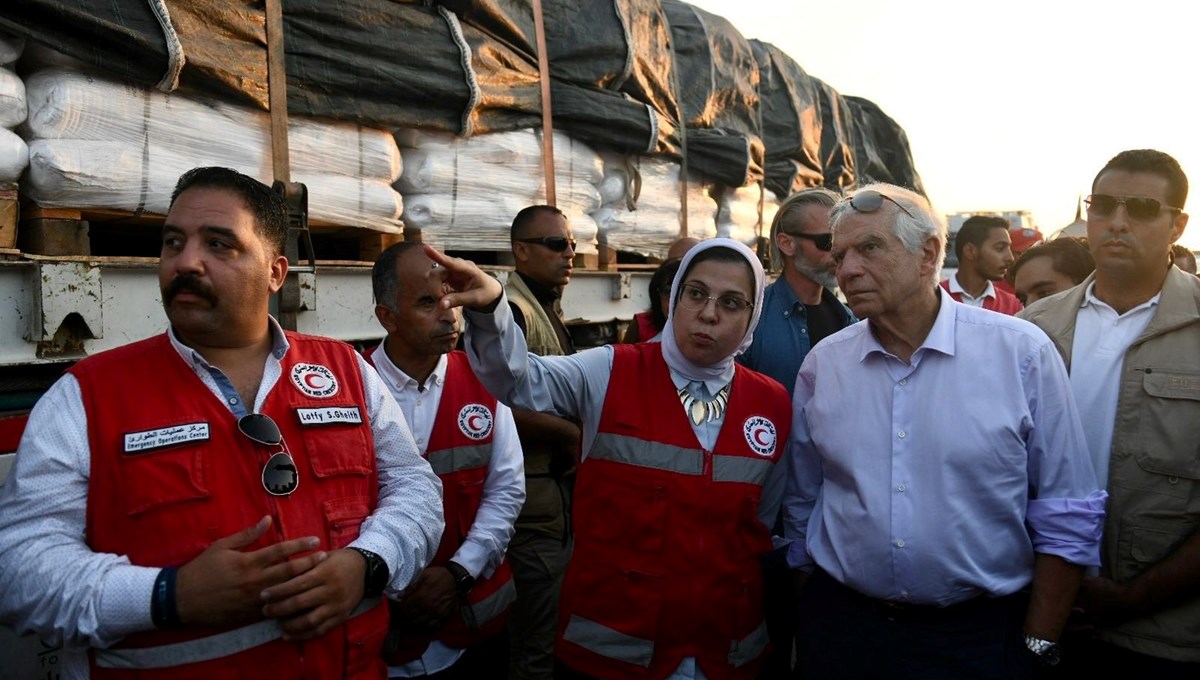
x=789 y=107
x=717 y=89
x=881 y=147
x=837 y=138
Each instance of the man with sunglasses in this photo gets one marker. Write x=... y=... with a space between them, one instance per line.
x=799 y=310
x=450 y=621
x=983 y=246
x=224 y=499
x=937 y=470
x=543 y=250
x=1130 y=336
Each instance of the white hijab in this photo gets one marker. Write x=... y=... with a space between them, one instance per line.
x=670 y=350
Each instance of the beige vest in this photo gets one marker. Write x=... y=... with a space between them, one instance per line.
x=1154 y=467
x=539 y=332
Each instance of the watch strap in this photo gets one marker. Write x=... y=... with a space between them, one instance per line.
x=463 y=581
x=375 y=577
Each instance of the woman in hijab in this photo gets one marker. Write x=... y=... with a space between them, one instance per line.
x=678 y=440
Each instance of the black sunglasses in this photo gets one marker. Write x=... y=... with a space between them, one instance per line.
x=556 y=243
x=279 y=476
x=871 y=200
x=1141 y=209
x=821 y=241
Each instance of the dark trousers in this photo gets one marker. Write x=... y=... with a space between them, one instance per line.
x=843 y=634
x=779 y=610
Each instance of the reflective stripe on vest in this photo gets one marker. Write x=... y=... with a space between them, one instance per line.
x=749 y=648
x=600 y=639
x=206 y=648
x=481 y=613
x=741 y=469
x=459 y=458
x=633 y=451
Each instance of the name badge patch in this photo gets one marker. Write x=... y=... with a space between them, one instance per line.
x=329 y=414
x=148 y=440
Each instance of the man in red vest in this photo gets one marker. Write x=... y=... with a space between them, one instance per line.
x=984 y=250
x=227 y=498
x=450 y=621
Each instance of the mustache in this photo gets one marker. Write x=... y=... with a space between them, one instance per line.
x=1112 y=237
x=191 y=284
x=445 y=329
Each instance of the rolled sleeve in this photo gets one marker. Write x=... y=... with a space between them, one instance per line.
x=1070 y=528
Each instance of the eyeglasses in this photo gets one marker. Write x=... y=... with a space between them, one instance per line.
x=1141 y=209
x=279 y=475
x=869 y=201
x=556 y=243
x=821 y=241
x=695 y=299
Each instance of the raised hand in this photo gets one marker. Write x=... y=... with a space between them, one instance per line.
x=223 y=585
x=465 y=283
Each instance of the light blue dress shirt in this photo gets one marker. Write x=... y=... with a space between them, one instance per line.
x=936 y=481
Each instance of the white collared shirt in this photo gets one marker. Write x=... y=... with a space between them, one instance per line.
x=966 y=299
x=1097 y=356
x=503 y=489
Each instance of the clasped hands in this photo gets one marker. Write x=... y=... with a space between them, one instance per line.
x=308 y=594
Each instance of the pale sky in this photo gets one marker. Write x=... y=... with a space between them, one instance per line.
x=1009 y=105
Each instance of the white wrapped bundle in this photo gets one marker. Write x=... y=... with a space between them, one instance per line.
x=480 y=222
x=11 y=47
x=463 y=192
x=72 y=173
x=12 y=99
x=737 y=212
x=66 y=104
x=14 y=156
x=650 y=228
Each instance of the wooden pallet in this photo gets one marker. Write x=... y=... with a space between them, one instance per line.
x=97 y=232
x=115 y=233
x=9 y=213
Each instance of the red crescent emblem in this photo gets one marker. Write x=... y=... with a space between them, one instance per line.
x=473 y=423
x=314 y=381
x=758 y=437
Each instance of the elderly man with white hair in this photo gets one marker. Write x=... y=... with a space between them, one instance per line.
x=940 y=492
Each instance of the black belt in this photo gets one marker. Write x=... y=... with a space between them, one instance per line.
x=908 y=611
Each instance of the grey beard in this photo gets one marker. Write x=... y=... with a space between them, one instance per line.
x=821 y=276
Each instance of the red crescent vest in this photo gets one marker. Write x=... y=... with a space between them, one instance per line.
x=460 y=448
x=171 y=473
x=667 y=537
x=1004 y=302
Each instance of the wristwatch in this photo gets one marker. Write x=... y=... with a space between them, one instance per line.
x=376 y=577
x=463 y=581
x=1047 y=653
